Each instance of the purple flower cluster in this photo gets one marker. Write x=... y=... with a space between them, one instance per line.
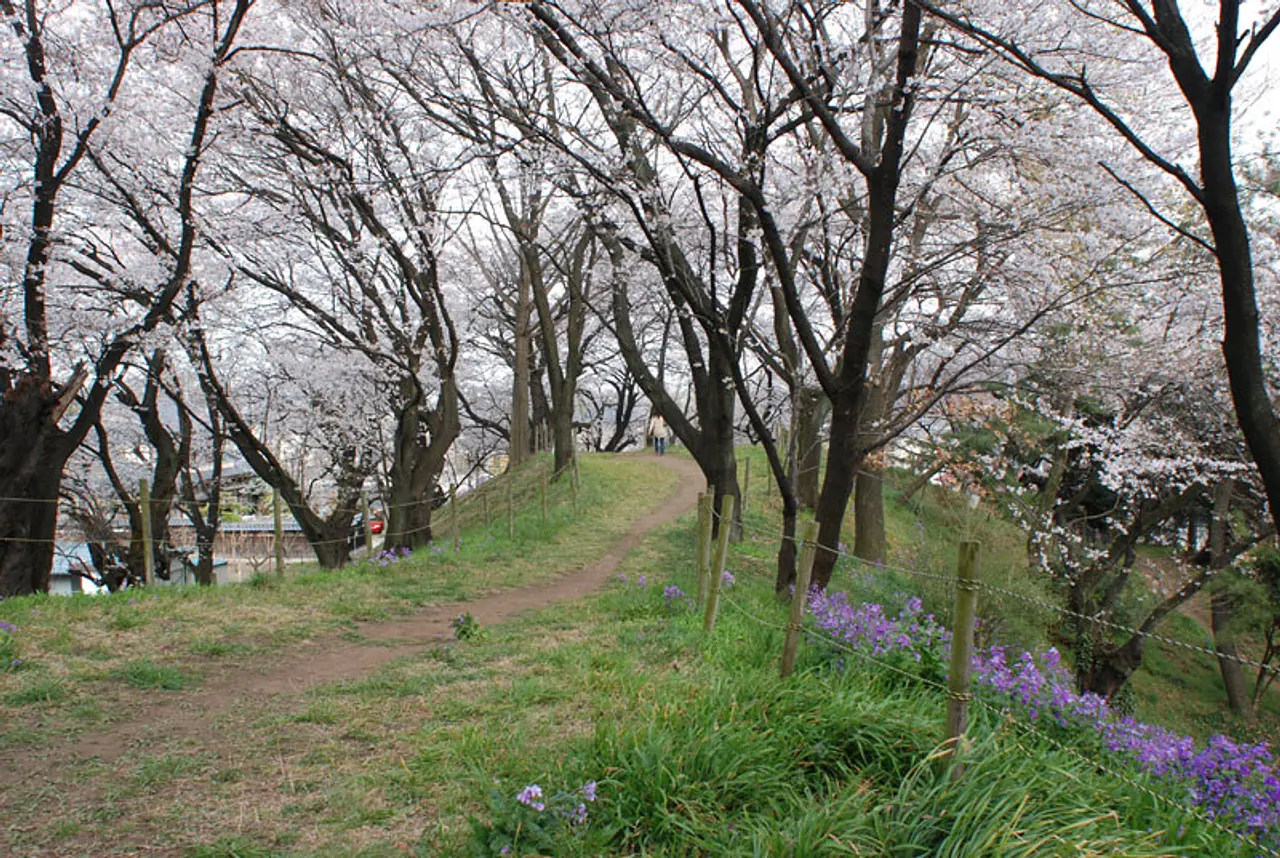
x=642 y=581
x=1042 y=685
x=532 y=796
x=1230 y=781
x=392 y=555
x=727 y=579
x=868 y=627
x=570 y=808
x=1235 y=783
x=675 y=597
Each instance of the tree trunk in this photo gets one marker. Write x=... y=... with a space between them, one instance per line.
x=623 y=411
x=408 y=518
x=206 y=524
x=204 y=556
x=868 y=516
x=812 y=407
x=1104 y=668
x=29 y=526
x=1113 y=666
x=786 y=577
x=1233 y=681
x=416 y=467
x=1241 y=339
x=31 y=461
x=715 y=457
x=562 y=441
x=848 y=386
x=1221 y=604
x=843 y=461
x=518 y=451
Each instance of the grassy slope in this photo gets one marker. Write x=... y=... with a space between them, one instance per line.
x=698 y=748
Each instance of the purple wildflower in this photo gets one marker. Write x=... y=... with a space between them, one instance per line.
x=589 y=791
x=531 y=796
x=1236 y=783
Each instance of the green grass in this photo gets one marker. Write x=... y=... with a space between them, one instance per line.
x=699 y=749
x=37 y=689
x=145 y=675
x=85 y=639
x=154 y=772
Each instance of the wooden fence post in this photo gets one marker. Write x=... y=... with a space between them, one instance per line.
x=278 y=521
x=511 y=512
x=455 y=526
x=368 y=527
x=717 y=566
x=703 y=548
x=148 y=549
x=958 y=693
x=800 y=599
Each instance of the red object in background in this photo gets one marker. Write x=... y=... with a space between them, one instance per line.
x=375 y=526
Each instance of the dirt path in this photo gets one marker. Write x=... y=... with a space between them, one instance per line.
x=192 y=715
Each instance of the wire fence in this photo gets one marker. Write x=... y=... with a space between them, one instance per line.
x=1009 y=716
x=875 y=577
x=1004 y=594
x=449 y=518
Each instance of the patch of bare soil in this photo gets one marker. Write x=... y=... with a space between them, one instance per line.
x=197 y=719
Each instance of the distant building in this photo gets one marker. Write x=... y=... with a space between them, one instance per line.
x=68 y=557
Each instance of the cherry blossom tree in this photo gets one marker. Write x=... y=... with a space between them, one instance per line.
x=67 y=102
x=1090 y=50
x=350 y=159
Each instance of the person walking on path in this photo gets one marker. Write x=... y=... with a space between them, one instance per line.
x=658 y=432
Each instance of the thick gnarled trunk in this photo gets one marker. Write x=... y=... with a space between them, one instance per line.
x=416 y=467
x=31 y=462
